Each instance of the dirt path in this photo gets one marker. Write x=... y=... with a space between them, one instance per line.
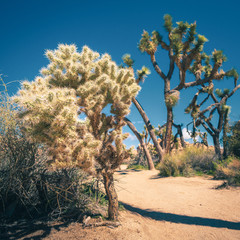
x=180 y=208
x=158 y=208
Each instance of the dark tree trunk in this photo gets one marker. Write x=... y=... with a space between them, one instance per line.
x=179 y=132
x=142 y=143
x=148 y=156
x=112 y=196
x=182 y=138
x=168 y=135
x=225 y=148
x=225 y=138
x=149 y=128
x=217 y=147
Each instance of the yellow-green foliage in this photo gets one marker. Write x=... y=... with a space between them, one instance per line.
x=174 y=165
x=183 y=39
x=185 y=162
x=171 y=100
x=76 y=86
x=229 y=170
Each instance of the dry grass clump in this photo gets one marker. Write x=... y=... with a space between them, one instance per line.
x=189 y=161
x=29 y=188
x=229 y=170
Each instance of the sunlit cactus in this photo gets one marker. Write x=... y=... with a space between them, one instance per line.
x=65 y=109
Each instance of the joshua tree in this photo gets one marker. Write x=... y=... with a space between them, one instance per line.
x=185 y=51
x=65 y=109
x=145 y=135
x=180 y=134
x=219 y=107
x=142 y=144
x=141 y=74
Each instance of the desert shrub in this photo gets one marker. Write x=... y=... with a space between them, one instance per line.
x=201 y=159
x=29 y=187
x=229 y=170
x=234 y=139
x=174 y=166
x=168 y=167
x=191 y=160
x=71 y=193
x=20 y=164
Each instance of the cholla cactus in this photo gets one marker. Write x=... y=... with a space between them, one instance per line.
x=73 y=86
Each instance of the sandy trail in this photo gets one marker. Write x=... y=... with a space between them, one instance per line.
x=157 y=209
x=180 y=208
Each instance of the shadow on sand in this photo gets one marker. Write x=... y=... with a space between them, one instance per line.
x=127 y=171
x=29 y=230
x=175 y=218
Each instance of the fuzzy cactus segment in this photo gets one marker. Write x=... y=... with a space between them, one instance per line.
x=76 y=86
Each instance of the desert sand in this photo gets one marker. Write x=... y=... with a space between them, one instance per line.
x=160 y=208
x=179 y=207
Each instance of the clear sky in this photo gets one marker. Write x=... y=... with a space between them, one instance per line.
x=30 y=27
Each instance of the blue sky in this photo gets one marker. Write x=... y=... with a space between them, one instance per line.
x=30 y=27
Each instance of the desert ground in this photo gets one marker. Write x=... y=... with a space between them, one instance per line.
x=156 y=208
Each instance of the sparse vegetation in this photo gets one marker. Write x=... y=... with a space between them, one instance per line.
x=189 y=161
x=233 y=140
x=29 y=187
x=137 y=167
x=229 y=170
